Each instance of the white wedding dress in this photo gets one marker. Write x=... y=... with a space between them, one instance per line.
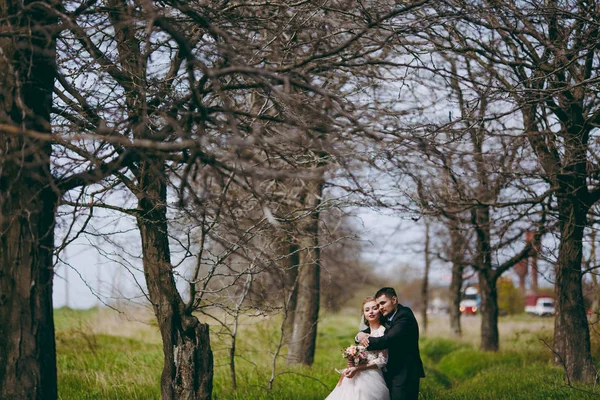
x=368 y=384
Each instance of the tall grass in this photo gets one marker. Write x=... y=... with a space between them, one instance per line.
x=105 y=355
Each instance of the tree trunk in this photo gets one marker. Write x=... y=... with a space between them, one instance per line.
x=425 y=285
x=27 y=348
x=188 y=361
x=489 y=311
x=455 y=293
x=304 y=335
x=27 y=206
x=595 y=287
x=487 y=280
x=571 y=332
x=291 y=285
x=534 y=256
x=534 y=273
x=456 y=251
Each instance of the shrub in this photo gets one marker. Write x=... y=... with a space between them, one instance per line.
x=435 y=349
x=436 y=379
x=539 y=381
x=466 y=363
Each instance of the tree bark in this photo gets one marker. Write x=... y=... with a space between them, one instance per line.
x=591 y=262
x=571 y=333
x=534 y=274
x=291 y=277
x=489 y=310
x=27 y=348
x=304 y=335
x=27 y=205
x=456 y=253
x=534 y=256
x=425 y=284
x=487 y=280
x=188 y=361
x=455 y=292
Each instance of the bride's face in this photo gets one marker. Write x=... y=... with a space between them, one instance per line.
x=371 y=311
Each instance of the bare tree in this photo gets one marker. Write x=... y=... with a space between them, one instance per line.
x=542 y=55
x=306 y=314
x=214 y=110
x=467 y=160
x=33 y=185
x=28 y=204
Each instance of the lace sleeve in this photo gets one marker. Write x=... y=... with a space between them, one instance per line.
x=379 y=358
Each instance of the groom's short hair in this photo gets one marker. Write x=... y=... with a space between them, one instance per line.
x=388 y=291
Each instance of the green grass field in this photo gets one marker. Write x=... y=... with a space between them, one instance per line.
x=106 y=355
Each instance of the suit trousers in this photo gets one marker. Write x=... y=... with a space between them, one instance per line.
x=409 y=390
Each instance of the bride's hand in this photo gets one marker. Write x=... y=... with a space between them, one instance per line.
x=351 y=372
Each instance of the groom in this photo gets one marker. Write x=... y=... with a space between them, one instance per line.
x=404 y=368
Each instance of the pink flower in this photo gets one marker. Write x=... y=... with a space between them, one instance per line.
x=356 y=354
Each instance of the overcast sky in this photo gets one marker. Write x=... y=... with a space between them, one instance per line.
x=88 y=279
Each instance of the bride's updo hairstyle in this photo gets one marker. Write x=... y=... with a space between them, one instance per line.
x=363 y=322
x=365 y=301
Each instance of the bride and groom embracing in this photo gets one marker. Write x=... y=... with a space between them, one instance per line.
x=391 y=366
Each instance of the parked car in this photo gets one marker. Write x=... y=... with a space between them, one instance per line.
x=539 y=304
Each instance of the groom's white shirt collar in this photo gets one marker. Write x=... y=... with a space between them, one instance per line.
x=391 y=317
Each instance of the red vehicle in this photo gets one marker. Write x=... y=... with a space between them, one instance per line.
x=539 y=304
x=470 y=301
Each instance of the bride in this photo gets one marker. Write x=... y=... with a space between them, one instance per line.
x=365 y=381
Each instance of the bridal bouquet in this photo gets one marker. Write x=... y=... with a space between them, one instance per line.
x=356 y=354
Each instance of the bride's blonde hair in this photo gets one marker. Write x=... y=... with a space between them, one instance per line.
x=366 y=300
x=363 y=321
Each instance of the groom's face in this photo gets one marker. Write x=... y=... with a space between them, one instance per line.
x=387 y=305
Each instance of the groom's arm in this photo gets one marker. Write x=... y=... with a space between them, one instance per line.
x=357 y=341
x=398 y=333
x=358 y=335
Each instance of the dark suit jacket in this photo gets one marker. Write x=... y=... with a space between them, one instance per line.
x=401 y=338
